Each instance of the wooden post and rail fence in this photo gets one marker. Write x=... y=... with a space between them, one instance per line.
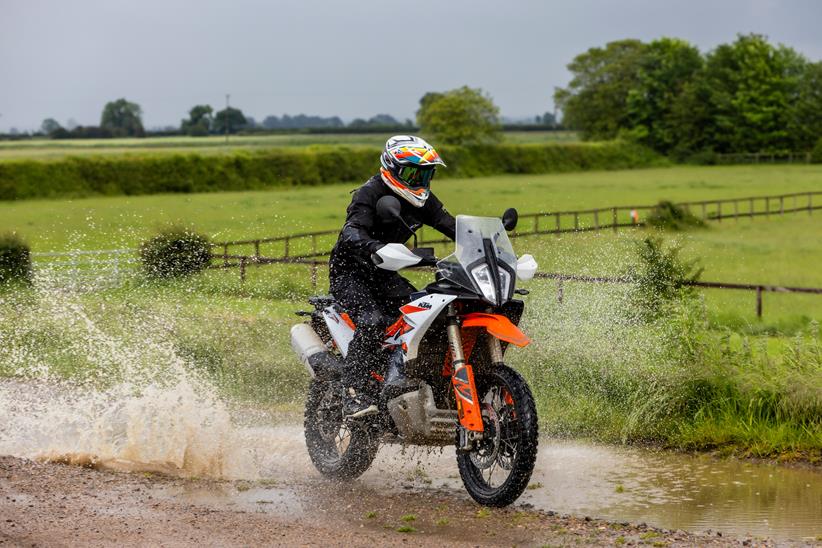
x=243 y=262
x=307 y=244
x=303 y=248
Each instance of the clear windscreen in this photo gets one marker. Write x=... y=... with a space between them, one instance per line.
x=470 y=250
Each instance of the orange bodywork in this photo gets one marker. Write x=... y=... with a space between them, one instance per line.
x=462 y=378
x=468 y=405
x=498 y=326
x=347 y=319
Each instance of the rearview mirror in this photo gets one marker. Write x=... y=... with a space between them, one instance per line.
x=510 y=218
x=388 y=208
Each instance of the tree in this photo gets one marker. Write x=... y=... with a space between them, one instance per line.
x=123 y=118
x=301 y=121
x=595 y=101
x=805 y=115
x=460 y=116
x=380 y=120
x=667 y=65
x=49 y=126
x=547 y=119
x=752 y=86
x=231 y=116
x=199 y=121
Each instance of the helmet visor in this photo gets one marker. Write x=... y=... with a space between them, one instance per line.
x=416 y=177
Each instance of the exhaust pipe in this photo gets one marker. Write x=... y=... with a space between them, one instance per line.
x=312 y=351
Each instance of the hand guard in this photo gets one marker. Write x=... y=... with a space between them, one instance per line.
x=394 y=257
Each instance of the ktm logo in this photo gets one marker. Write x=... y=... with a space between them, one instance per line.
x=425 y=305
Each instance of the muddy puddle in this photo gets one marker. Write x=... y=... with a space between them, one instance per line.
x=669 y=490
x=178 y=431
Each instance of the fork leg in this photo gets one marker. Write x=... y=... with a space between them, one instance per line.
x=462 y=379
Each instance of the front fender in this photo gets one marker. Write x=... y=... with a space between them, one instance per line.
x=497 y=325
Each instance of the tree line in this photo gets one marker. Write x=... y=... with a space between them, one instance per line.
x=460 y=116
x=745 y=96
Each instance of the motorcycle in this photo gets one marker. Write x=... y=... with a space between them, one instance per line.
x=445 y=381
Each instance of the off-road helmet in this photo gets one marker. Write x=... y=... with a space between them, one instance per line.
x=408 y=165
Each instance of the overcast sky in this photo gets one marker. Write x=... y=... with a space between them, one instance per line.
x=65 y=59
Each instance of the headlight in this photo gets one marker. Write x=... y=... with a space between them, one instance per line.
x=482 y=276
x=504 y=283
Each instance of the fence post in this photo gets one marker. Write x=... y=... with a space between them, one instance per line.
x=242 y=270
x=314 y=262
x=781 y=205
x=719 y=211
x=759 y=301
x=751 y=209
x=704 y=212
x=614 y=217
x=225 y=254
x=794 y=202
x=557 y=216
x=287 y=245
x=576 y=220
x=768 y=207
x=560 y=291
x=536 y=224
x=257 y=248
x=810 y=201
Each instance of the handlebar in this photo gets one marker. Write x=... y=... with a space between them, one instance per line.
x=427 y=256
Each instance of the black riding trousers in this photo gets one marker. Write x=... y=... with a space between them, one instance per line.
x=373 y=305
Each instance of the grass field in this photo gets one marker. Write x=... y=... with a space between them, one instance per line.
x=781 y=250
x=731 y=382
x=114 y=222
x=53 y=149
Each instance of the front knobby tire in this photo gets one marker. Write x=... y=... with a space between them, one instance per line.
x=338 y=449
x=498 y=469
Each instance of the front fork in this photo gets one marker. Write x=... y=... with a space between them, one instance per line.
x=462 y=379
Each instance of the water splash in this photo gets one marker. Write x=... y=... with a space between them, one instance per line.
x=83 y=386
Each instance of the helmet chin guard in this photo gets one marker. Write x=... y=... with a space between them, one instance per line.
x=408 y=166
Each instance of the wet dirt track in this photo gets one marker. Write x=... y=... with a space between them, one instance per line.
x=59 y=505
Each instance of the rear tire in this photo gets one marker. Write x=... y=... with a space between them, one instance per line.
x=512 y=444
x=339 y=449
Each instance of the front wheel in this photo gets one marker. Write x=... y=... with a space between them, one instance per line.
x=498 y=469
x=338 y=448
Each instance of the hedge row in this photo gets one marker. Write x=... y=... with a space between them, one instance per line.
x=314 y=165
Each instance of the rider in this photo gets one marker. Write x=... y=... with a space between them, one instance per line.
x=370 y=295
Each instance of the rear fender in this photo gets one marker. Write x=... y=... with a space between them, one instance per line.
x=341 y=328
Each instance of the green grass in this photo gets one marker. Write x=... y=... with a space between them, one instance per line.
x=708 y=377
x=54 y=149
x=123 y=221
x=773 y=251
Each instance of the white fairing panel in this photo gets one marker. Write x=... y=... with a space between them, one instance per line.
x=341 y=332
x=396 y=257
x=419 y=315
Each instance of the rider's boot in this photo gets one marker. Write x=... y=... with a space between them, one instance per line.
x=396 y=382
x=364 y=356
x=358 y=403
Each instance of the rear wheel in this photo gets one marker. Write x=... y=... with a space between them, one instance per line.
x=339 y=449
x=498 y=469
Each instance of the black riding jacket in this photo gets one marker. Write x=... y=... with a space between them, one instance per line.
x=364 y=232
